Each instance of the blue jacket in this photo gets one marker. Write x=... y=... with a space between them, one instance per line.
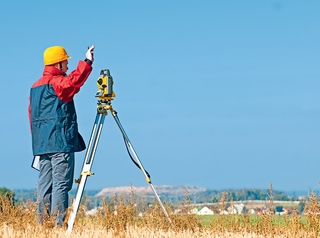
x=52 y=113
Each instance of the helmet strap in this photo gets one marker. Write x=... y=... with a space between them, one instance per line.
x=60 y=66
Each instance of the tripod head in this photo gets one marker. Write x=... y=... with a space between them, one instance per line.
x=105 y=86
x=105 y=92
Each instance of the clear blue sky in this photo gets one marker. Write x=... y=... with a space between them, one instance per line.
x=214 y=94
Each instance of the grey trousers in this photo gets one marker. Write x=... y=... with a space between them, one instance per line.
x=54 y=183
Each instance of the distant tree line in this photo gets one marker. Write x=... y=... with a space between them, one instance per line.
x=90 y=201
x=242 y=194
x=209 y=196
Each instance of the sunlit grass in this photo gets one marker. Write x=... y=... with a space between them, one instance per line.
x=124 y=218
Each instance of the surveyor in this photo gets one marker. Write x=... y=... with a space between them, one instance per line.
x=54 y=129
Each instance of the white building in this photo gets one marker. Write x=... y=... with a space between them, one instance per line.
x=205 y=211
x=239 y=207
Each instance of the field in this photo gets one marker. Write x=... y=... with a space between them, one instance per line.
x=122 y=218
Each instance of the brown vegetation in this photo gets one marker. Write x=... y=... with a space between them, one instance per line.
x=124 y=218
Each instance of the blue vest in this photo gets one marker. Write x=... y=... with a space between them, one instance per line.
x=54 y=123
x=52 y=113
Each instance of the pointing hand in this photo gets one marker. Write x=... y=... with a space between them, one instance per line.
x=89 y=54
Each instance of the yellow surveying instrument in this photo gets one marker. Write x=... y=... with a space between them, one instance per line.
x=105 y=95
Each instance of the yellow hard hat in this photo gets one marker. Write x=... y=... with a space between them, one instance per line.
x=55 y=54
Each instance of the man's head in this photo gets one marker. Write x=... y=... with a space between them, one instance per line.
x=56 y=56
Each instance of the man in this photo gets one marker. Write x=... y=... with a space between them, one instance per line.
x=54 y=130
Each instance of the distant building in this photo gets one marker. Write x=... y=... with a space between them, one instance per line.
x=252 y=211
x=239 y=207
x=93 y=211
x=232 y=210
x=205 y=211
x=223 y=212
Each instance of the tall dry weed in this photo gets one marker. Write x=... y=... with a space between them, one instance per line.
x=17 y=215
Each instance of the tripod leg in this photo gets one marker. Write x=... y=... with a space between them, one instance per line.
x=92 y=146
x=146 y=175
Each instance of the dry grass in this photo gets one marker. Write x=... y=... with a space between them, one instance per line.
x=120 y=218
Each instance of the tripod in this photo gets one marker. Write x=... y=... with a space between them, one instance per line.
x=105 y=95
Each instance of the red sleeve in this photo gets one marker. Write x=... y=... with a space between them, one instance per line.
x=67 y=86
